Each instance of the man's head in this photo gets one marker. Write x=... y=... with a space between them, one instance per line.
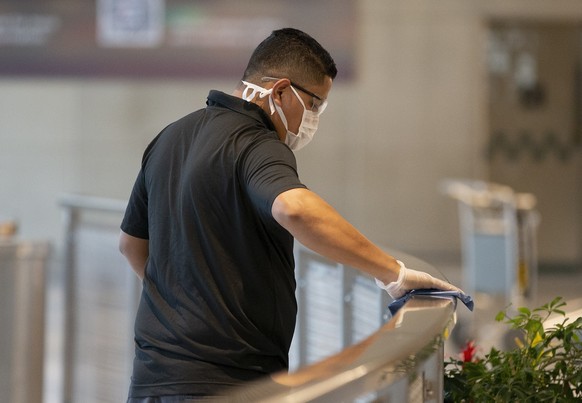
x=293 y=54
x=297 y=72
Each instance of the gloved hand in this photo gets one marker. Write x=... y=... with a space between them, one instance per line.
x=409 y=279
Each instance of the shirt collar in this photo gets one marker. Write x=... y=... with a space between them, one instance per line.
x=219 y=98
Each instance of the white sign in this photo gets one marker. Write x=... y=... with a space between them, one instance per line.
x=130 y=23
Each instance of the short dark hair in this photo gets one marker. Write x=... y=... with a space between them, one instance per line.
x=290 y=53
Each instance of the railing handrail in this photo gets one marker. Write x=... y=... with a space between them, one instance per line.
x=416 y=331
x=75 y=201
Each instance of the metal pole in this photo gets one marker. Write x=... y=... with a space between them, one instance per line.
x=70 y=300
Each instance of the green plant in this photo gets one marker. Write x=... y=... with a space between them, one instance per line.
x=545 y=366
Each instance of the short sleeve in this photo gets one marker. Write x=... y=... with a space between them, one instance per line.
x=268 y=169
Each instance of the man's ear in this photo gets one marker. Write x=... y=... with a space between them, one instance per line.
x=278 y=88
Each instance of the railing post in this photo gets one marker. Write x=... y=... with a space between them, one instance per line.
x=70 y=302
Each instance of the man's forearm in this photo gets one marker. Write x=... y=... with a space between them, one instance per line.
x=318 y=226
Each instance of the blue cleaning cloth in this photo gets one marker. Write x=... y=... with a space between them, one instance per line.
x=432 y=292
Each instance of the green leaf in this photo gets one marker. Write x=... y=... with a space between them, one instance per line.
x=524 y=311
x=546 y=369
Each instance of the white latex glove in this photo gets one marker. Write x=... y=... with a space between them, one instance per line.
x=409 y=279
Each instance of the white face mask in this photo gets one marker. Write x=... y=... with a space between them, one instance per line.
x=309 y=119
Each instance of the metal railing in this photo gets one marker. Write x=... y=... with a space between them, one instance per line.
x=343 y=346
x=100 y=298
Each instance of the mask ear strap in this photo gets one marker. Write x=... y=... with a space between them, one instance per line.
x=245 y=94
x=254 y=88
x=271 y=105
x=276 y=107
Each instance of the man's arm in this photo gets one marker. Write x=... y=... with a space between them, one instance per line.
x=318 y=226
x=136 y=251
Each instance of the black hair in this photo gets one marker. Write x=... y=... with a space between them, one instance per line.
x=290 y=53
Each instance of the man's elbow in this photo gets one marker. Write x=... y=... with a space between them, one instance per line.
x=286 y=209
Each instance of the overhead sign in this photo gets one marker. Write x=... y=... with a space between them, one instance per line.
x=160 y=38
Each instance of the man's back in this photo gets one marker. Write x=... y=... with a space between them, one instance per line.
x=218 y=304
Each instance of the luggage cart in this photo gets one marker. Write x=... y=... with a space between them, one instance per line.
x=498 y=238
x=498 y=243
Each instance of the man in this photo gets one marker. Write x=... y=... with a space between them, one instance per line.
x=210 y=225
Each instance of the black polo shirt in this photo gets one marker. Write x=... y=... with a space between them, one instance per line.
x=218 y=303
